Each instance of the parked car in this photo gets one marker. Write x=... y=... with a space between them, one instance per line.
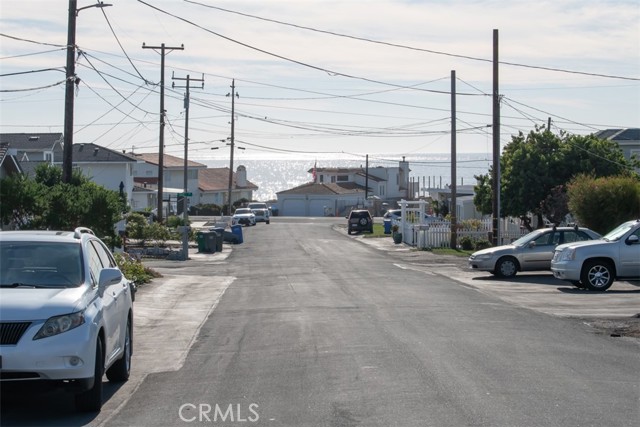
x=66 y=313
x=261 y=211
x=595 y=265
x=243 y=216
x=359 y=220
x=396 y=214
x=529 y=253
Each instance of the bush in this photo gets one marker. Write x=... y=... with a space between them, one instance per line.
x=134 y=270
x=482 y=244
x=466 y=242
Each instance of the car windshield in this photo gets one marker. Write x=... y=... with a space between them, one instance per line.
x=617 y=233
x=40 y=265
x=527 y=238
x=242 y=211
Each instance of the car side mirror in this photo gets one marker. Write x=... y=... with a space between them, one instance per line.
x=633 y=240
x=531 y=245
x=108 y=277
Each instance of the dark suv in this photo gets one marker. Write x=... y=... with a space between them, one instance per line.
x=359 y=220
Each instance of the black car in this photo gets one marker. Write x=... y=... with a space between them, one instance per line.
x=359 y=220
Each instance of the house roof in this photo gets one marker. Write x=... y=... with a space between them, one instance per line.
x=31 y=141
x=630 y=134
x=329 y=189
x=217 y=179
x=169 y=161
x=92 y=153
x=338 y=170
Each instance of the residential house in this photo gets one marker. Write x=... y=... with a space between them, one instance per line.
x=213 y=186
x=109 y=168
x=33 y=147
x=627 y=139
x=206 y=185
x=334 y=191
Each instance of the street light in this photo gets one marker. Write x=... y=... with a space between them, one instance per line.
x=67 y=149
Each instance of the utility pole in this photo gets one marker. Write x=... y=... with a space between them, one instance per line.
x=366 y=179
x=71 y=82
x=233 y=95
x=186 y=194
x=163 y=51
x=496 y=143
x=454 y=178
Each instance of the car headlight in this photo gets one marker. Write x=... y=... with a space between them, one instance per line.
x=59 y=324
x=568 y=254
x=483 y=257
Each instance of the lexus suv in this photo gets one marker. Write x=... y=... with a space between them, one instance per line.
x=594 y=265
x=66 y=313
x=359 y=220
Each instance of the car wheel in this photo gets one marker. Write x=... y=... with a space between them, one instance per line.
x=597 y=275
x=506 y=267
x=363 y=221
x=91 y=400
x=349 y=232
x=267 y=222
x=121 y=369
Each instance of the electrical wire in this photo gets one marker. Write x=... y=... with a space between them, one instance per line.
x=435 y=52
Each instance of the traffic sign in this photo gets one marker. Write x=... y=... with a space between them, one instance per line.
x=185 y=194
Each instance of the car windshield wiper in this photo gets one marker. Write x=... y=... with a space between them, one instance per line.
x=18 y=285
x=27 y=285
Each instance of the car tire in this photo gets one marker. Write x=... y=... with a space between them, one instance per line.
x=91 y=400
x=597 y=275
x=363 y=221
x=506 y=267
x=349 y=232
x=121 y=369
x=578 y=284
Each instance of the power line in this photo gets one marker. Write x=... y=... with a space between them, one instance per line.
x=435 y=52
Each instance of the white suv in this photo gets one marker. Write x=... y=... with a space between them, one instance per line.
x=66 y=313
x=595 y=264
x=260 y=210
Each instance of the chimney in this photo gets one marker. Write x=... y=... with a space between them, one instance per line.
x=241 y=176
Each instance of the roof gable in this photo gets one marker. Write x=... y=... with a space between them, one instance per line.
x=328 y=189
x=93 y=153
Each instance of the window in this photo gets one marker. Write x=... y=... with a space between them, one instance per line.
x=343 y=178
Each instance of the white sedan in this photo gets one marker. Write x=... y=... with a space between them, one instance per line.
x=66 y=313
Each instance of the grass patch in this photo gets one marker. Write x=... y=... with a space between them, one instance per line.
x=454 y=252
x=378 y=231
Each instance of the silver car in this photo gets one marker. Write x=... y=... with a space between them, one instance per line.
x=529 y=253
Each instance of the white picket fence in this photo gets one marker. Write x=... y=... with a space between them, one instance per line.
x=423 y=232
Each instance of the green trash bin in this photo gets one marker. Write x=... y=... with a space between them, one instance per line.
x=200 y=238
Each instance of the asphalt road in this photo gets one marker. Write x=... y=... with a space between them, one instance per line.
x=302 y=325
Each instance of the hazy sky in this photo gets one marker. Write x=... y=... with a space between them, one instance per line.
x=359 y=77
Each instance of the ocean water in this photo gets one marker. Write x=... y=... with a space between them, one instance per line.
x=282 y=172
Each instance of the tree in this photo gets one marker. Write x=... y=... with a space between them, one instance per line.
x=483 y=197
x=47 y=202
x=555 y=206
x=603 y=203
x=21 y=199
x=533 y=165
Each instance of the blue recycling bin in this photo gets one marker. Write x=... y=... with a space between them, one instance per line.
x=237 y=231
x=387 y=226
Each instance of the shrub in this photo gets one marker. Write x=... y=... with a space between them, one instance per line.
x=134 y=270
x=482 y=244
x=466 y=242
